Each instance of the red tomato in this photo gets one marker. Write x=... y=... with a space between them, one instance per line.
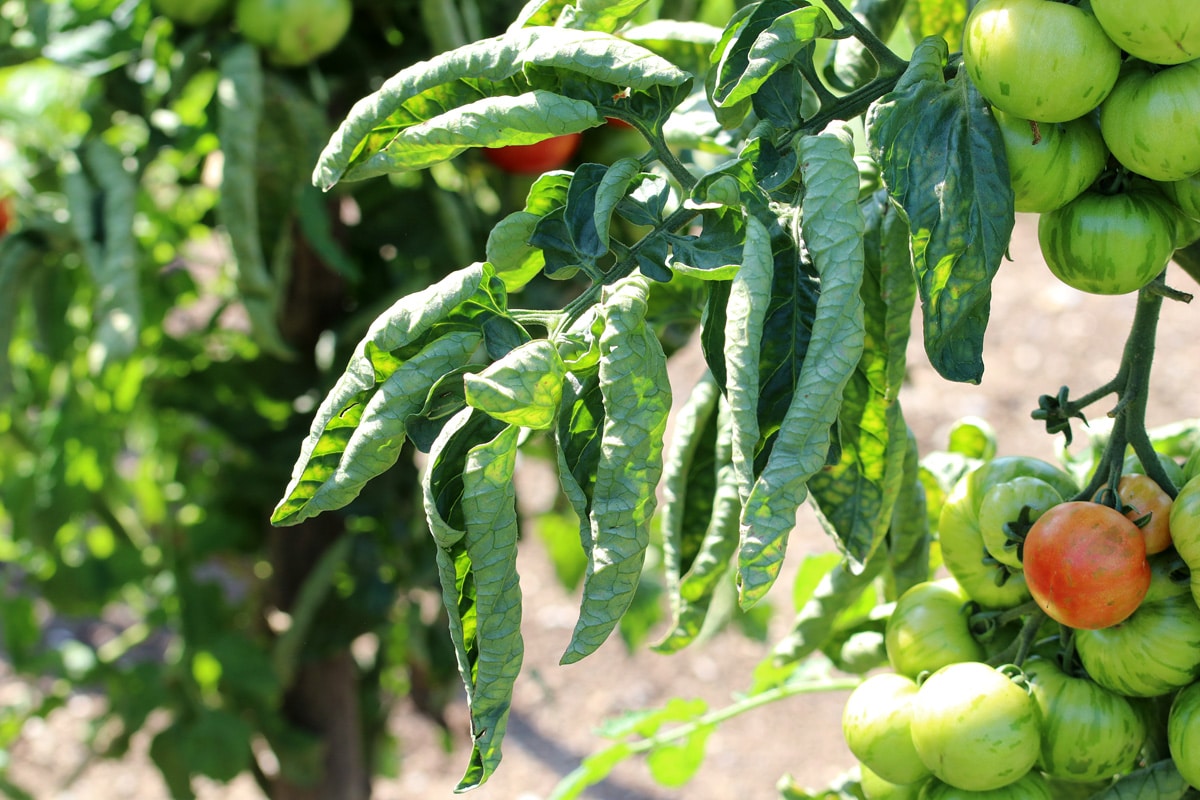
x=1085 y=565
x=6 y=215
x=534 y=158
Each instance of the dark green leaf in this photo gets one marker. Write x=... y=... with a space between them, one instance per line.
x=848 y=64
x=944 y=165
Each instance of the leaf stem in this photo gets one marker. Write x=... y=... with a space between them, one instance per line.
x=889 y=63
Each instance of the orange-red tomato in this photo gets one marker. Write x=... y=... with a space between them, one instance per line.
x=1142 y=497
x=1085 y=565
x=534 y=158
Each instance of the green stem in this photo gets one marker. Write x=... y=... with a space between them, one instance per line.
x=851 y=105
x=889 y=63
x=665 y=155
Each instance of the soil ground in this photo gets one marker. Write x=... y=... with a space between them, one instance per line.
x=1042 y=335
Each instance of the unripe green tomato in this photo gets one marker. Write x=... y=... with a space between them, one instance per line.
x=1050 y=163
x=1158 y=31
x=294 y=32
x=1183 y=733
x=1149 y=121
x=875 y=725
x=1038 y=59
x=1108 y=243
x=1185 y=193
x=190 y=12
x=1003 y=504
x=928 y=629
x=1031 y=786
x=876 y=788
x=975 y=728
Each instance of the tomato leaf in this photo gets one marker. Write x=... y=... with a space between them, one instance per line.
x=359 y=428
x=855 y=496
x=943 y=162
x=637 y=399
x=524 y=388
x=848 y=64
x=471 y=506
x=688 y=45
x=517 y=88
x=908 y=534
x=827 y=356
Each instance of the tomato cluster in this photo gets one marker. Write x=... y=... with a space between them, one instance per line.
x=1035 y=669
x=1071 y=86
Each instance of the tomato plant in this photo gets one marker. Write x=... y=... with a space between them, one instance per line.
x=974 y=727
x=1076 y=61
x=802 y=188
x=536 y=158
x=1183 y=733
x=1085 y=564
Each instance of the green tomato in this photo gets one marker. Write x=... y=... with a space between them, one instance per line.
x=1154 y=651
x=1050 y=163
x=875 y=724
x=1108 y=244
x=928 y=629
x=1088 y=732
x=1158 y=31
x=1185 y=529
x=1031 y=786
x=1183 y=733
x=876 y=788
x=1185 y=193
x=990 y=584
x=974 y=727
x=294 y=32
x=1038 y=59
x=1003 y=504
x=1149 y=121
x=190 y=12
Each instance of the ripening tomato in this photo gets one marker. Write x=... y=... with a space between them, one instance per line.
x=1050 y=163
x=1085 y=564
x=1183 y=733
x=1145 y=500
x=974 y=727
x=1040 y=60
x=7 y=215
x=536 y=158
x=1158 y=31
x=1149 y=121
x=1108 y=243
x=875 y=724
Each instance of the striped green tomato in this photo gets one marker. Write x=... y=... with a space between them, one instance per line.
x=1183 y=733
x=1108 y=244
x=1031 y=786
x=1050 y=163
x=1154 y=651
x=928 y=629
x=975 y=728
x=1038 y=59
x=1185 y=526
x=1088 y=732
x=1149 y=121
x=1158 y=31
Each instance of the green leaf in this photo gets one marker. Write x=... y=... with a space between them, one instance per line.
x=471 y=505
x=688 y=45
x=774 y=34
x=815 y=621
x=360 y=426
x=855 y=496
x=535 y=82
x=675 y=763
x=637 y=399
x=833 y=230
x=578 y=437
x=599 y=15
x=240 y=108
x=944 y=165
x=19 y=258
x=524 y=388
x=700 y=512
x=908 y=536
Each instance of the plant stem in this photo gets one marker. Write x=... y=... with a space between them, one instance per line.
x=889 y=63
